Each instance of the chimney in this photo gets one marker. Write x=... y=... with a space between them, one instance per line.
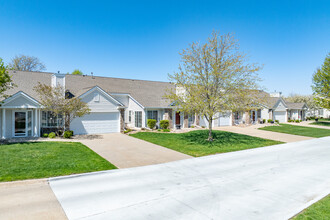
x=58 y=79
x=275 y=94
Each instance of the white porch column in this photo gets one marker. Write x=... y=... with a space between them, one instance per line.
x=35 y=123
x=39 y=126
x=3 y=124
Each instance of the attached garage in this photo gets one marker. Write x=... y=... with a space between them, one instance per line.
x=96 y=123
x=280 y=116
x=224 y=120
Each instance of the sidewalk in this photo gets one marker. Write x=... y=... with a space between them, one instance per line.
x=254 y=131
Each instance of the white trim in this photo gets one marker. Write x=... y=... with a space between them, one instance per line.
x=16 y=95
x=136 y=101
x=3 y=124
x=101 y=91
x=26 y=123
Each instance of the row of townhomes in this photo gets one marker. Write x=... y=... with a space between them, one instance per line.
x=117 y=104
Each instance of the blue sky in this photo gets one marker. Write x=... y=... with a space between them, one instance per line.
x=142 y=39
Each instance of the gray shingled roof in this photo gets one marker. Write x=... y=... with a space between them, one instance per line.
x=295 y=105
x=147 y=93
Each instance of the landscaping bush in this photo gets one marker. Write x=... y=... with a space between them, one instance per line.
x=52 y=135
x=127 y=131
x=269 y=120
x=45 y=135
x=159 y=129
x=277 y=121
x=164 y=124
x=203 y=126
x=263 y=121
x=151 y=123
x=192 y=126
x=166 y=130
x=297 y=121
x=68 y=134
x=143 y=129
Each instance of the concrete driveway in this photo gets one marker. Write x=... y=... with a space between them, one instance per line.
x=124 y=151
x=273 y=182
x=254 y=131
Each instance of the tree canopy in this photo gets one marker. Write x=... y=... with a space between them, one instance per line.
x=321 y=84
x=54 y=99
x=77 y=72
x=213 y=78
x=5 y=79
x=308 y=99
x=26 y=63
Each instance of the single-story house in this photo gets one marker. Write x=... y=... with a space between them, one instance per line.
x=115 y=104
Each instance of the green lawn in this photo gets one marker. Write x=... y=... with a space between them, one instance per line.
x=319 y=210
x=195 y=143
x=47 y=159
x=322 y=123
x=298 y=130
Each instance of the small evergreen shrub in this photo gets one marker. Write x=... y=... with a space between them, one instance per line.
x=67 y=134
x=159 y=129
x=127 y=131
x=151 y=123
x=263 y=121
x=203 y=126
x=166 y=130
x=52 y=135
x=164 y=124
x=277 y=121
x=297 y=121
x=269 y=120
x=192 y=126
x=45 y=135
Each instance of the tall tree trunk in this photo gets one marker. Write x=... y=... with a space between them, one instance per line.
x=210 y=131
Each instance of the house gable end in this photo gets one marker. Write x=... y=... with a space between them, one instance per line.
x=20 y=100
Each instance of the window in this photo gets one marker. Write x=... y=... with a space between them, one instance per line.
x=96 y=97
x=129 y=116
x=138 y=119
x=48 y=119
x=153 y=115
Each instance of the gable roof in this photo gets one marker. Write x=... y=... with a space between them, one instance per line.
x=148 y=93
x=296 y=105
x=100 y=90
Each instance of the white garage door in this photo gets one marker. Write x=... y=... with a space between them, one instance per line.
x=280 y=116
x=96 y=123
x=224 y=119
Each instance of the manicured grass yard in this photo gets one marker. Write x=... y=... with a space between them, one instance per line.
x=195 y=143
x=322 y=123
x=319 y=210
x=298 y=130
x=47 y=159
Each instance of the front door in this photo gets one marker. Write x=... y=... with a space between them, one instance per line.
x=20 y=124
x=177 y=118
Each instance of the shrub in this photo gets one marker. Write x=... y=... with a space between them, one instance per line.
x=164 y=124
x=151 y=123
x=297 y=121
x=45 y=135
x=192 y=126
x=277 y=121
x=67 y=134
x=159 y=129
x=166 y=130
x=52 y=135
x=143 y=129
x=127 y=131
x=269 y=120
x=263 y=121
x=203 y=126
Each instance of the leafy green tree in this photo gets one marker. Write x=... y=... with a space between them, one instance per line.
x=5 y=79
x=321 y=84
x=77 y=72
x=214 y=78
x=54 y=99
x=26 y=63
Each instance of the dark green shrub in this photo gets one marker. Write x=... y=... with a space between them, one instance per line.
x=203 y=126
x=52 y=135
x=277 y=121
x=159 y=129
x=127 y=131
x=67 y=134
x=151 y=123
x=263 y=121
x=269 y=120
x=192 y=126
x=45 y=135
x=164 y=124
x=297 y=121
x=166 y=130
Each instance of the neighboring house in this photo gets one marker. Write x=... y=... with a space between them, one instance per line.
x=321 y=112
x=274 y=107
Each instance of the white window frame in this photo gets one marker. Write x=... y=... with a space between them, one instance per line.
x=47 y=121
x=26 y=123
x=96 y=97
